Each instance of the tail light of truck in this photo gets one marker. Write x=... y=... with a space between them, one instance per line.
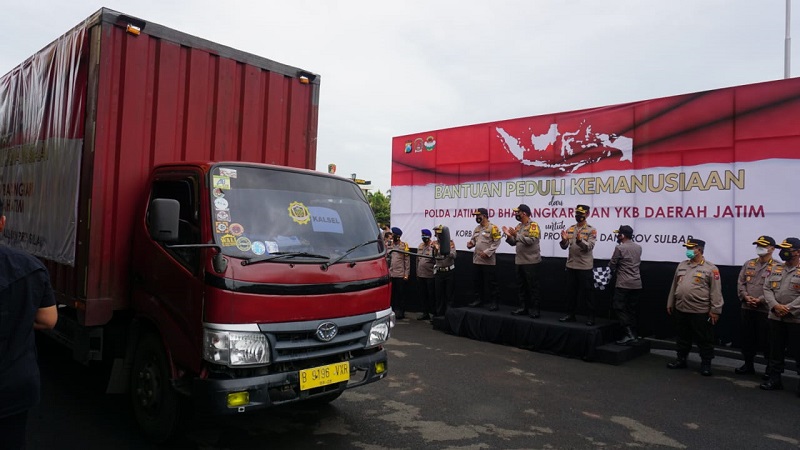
x=235 y=348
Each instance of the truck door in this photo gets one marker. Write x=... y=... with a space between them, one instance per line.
x=173 y=276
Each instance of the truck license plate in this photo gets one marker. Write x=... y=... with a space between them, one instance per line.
x=324 y=375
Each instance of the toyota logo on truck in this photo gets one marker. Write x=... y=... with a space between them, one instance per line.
x=327 y=331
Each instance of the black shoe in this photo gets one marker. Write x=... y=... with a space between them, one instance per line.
x=475 y=304
x=590 y=321
x=424 y=317
x=519 y=312
x=534 y=315
x=765 y=377
x=493 y=307
x=705 y=369
x=679 y=363
x=772 y=385
x=568 y=318
x=745 y=368
x=627 y=340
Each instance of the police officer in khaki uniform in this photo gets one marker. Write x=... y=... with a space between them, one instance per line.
x=485 y=240
x=525 y=240
x=625 y=262
x=444 y=278
x=425 y=276
x=695 y=300
x=782 y=295
x=399 y=267
x=579 y=240
x=754 y=322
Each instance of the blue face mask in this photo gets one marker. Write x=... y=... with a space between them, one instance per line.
x=690 y=254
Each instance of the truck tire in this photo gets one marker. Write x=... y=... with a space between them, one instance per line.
x=155 y=403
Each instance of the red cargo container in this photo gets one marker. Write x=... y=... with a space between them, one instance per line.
x=92 y=126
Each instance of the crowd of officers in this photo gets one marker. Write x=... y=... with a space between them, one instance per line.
x=769 y=290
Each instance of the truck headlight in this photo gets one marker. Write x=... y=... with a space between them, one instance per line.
x=380 y=330
x=235 y=348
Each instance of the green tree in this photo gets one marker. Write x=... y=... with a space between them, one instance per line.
x=381 y=206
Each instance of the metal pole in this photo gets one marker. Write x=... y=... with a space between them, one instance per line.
x=787 y=51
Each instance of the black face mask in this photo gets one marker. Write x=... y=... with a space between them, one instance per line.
x=425 y=239
x=518 y=217
x=619 y=239
x=396 y=238
x=785 y=254
x=478 y=219
x=580 y=219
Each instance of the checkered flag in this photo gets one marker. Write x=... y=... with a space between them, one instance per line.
x=602 y=276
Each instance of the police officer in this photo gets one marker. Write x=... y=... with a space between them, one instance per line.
x=485 y=240
x=695 y=300
x=425 y=276
x=525 y=240
x=444 y=271
x=754 y=322
x=579 y=240
x=625 y=261
x=782 y=295
x=399 y=267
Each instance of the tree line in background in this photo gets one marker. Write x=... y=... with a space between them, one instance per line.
x=381 y=205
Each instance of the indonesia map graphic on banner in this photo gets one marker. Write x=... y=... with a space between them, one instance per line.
x=715 y=165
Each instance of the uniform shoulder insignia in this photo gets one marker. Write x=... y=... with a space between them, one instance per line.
x=716 y=274
x=495 y=232
x=406 y=246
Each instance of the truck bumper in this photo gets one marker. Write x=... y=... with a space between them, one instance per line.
x=211 y=395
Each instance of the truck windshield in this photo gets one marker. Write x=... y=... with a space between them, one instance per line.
x=257 y=212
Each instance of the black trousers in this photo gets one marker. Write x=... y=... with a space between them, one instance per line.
x=486 y=283
x=13 y=431
x=694 y=327
x=528 y=285
x=445 y=285
x=579 y=290
x=755 y=334
x=427 y=293
x=399 y=296
x=782 y=335
x=625 y=303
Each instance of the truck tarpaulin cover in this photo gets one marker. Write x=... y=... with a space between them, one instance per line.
x=42 y=105
x=718 y=165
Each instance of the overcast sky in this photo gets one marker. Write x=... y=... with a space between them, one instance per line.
x=395 y=68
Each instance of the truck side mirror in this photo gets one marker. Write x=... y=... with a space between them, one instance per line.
x=444 y=242
x=164 y=219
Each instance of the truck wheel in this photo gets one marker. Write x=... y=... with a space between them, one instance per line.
x=155 y=403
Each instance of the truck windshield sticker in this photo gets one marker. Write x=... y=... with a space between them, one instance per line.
x=221 y=227
x=230 y=173
x=221 y=203
x=218 y=193
x=299 y=213
x=223 y=216
x=258 y=248
x=325 y=220
x=272 y=246
x=222 y=182
x=243 y=244
x=228 y=240
x=236 y=229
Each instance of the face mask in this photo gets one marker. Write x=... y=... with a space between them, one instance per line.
x=761 y=251
x=785 y=254
x=425 y=239
x=396 y=238
x=619 y=239
x=478 y=219
x=580 y=218
x=690 y=254
x=518 y=217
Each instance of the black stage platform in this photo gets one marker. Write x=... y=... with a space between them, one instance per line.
x=545 y=334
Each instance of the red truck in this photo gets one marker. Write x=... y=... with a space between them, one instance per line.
x=165 y=181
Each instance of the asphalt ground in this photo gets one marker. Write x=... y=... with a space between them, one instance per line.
x=448 y=392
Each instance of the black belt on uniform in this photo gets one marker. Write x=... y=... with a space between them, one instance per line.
x=445 y=269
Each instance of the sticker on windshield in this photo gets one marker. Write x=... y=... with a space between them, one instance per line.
x=258 y=248
x=272 y=246
x=221 y=227
x=325 y=220
x=223 y=216
x=230 y=173
x=236 y=229
x=243 y=244
x=222 y=182
x=228 y=240
x=218 y=193
x=221 y=203
x=299 y=213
